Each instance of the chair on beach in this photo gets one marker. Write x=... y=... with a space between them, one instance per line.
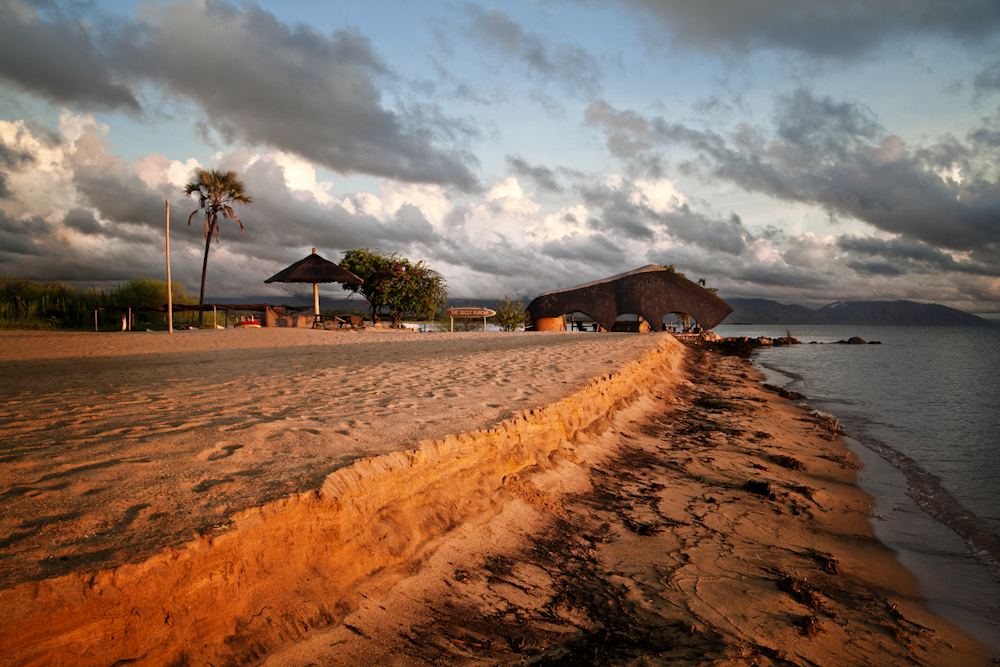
x=349 y=321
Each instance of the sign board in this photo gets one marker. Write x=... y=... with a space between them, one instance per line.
x=470 y=312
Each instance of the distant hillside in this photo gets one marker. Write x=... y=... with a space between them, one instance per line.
x=885 y=313
x=765 y=311
x=899 y=313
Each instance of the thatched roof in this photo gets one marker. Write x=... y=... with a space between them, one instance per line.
x=651 y=292
x=314 y=269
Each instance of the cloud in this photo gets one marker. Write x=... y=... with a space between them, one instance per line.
x=103 y=221
x=988 y=80
x=573 y=67
x=59 y=59
x=906 y=255
x=258 y=81
x=653 y=210
x=544 y=177
x=835 y=155
x=840 y=30
x=876 y=268
x=809 y=251
x=80 y=214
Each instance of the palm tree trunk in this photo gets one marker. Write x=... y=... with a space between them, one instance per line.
x=204 y=270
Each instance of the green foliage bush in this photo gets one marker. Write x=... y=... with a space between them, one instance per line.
x=510 y=314
x=145 y=291
x=27 y=304
x=395 y=285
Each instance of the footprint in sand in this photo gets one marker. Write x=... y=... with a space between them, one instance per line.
x=222 y=449
x=206 y=484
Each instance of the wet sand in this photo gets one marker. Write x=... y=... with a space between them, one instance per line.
x=715 y=524
x=696 y=520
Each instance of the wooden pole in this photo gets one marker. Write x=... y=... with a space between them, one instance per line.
x=315 y=298
x=95 y=319
x=215 y=318
x=170 y=291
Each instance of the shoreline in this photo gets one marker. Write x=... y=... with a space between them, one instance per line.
x=600 y=562
x=555 y=486
x=932 y=478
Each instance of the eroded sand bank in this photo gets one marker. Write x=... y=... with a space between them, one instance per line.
x=614 y=525
x=118 y=445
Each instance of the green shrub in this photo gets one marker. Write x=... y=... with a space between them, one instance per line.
x=26 y=304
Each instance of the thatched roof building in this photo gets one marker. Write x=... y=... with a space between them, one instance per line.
x=651 y=292
x=314 y=269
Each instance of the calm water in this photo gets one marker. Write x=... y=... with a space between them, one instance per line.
x=924 y=412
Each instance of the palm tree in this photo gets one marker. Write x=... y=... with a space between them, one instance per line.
x=217 y=192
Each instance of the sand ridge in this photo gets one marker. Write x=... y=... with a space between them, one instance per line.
x=291 y=565
x=127 y=443
x=640 y=520
x=713 y=524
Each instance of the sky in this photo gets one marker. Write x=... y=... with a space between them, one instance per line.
x=795 y=150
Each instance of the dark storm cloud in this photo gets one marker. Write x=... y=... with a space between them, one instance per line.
x=121 y=197
x=118 y=233
x=782 y=275
x=822 y=125
x=988 y=80
x=836 y=156
x=622 y=214
x=23 y=236
x=266 y=82
x=544 y=177
x=11 y=160
x=83 y=221
x=907 y=255
x=282 y=226
x=573 y=67
x=876 y=268
x=590 y=249
x=725 y=235
x=290 y=87
x=57 y=58
x=843 y=30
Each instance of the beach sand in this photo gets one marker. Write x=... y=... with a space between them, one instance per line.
x=119 y=444
x=618 y=500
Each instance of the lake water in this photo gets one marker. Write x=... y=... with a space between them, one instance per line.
x=923 y=413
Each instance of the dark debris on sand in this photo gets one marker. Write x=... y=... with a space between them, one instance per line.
x=593 y=614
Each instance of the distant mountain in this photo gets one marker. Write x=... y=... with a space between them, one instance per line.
x=886 y=313
x=765 y=311
x=899 y=313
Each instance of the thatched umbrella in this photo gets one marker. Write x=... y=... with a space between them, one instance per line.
x=314 y=269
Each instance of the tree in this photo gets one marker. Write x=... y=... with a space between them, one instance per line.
x=510 y=314
x=395 y=284
x=373 y=268
x=217 y=193
x=418 y=291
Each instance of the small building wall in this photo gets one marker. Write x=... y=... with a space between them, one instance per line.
x=550 y=324
x=650 y=292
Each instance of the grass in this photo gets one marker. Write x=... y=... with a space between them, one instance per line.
x=28 y=304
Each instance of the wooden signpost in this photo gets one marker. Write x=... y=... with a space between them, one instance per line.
x=470 y=312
